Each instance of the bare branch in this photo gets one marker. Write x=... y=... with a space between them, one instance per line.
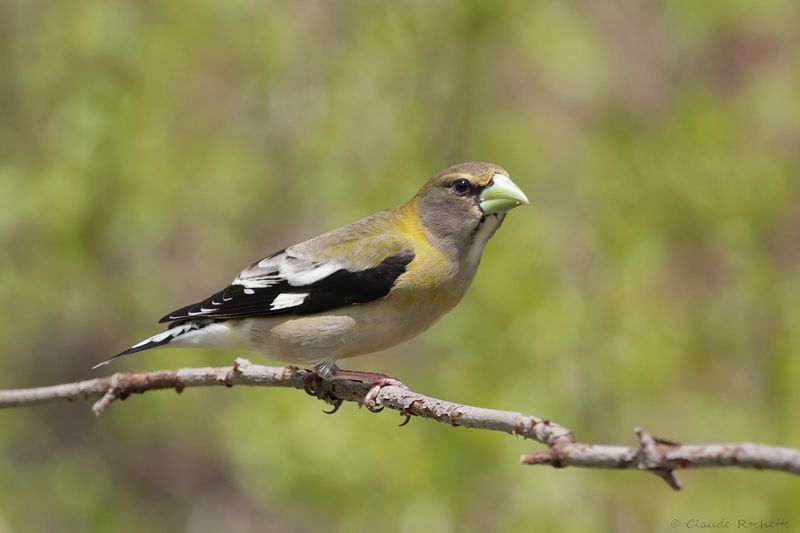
x=659 y=456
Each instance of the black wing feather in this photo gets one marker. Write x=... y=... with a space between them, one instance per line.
x=339 y=289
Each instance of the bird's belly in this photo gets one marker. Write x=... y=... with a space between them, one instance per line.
x=345 y=332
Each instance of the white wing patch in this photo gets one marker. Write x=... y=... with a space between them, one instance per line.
x=272 y=261
x=300 y=277
x=261 y=282
x=285 y=267
x=286 y=300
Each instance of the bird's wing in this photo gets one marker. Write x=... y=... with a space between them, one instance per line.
x=355 y=264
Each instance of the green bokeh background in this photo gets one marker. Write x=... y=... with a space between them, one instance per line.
x=149 y=150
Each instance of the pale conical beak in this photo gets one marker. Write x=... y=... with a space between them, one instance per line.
x=501 y=196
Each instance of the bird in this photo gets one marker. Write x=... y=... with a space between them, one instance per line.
x=358 y=289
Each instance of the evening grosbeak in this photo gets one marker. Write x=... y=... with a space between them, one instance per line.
x=358 y=289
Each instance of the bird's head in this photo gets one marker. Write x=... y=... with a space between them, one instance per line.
x=460 y=201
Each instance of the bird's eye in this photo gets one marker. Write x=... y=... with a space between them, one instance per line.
x=461 y=186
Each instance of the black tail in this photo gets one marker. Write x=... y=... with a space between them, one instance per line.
x=165 y=337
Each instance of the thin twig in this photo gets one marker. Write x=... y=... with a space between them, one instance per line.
x=659 y=456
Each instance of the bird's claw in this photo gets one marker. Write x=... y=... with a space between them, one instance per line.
x=370 y=399
x=310 y=383
x=336 y=403
x=316 y=386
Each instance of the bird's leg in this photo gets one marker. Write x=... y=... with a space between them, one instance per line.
x=326 y=369
x=329 y=371
x=320 y=385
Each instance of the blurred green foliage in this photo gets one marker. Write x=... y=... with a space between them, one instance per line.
x=148 y=150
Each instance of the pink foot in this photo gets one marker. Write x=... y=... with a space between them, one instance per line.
x=331 y=372
x=370 y=399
